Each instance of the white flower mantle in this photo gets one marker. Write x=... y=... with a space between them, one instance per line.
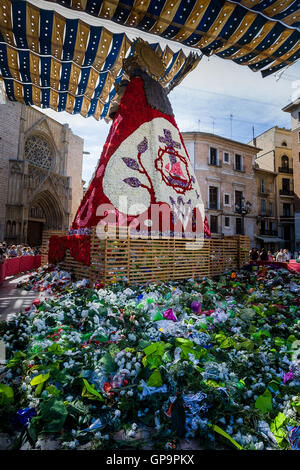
x=129 y=175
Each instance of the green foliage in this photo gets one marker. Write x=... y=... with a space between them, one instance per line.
x=264 y=402
x=89 y=391
x=6 y=395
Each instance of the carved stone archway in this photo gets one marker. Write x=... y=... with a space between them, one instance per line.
x=45 y=213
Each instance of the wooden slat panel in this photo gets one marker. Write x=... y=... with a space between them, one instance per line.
x=143 y=260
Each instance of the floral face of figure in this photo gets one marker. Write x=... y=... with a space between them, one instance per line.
x=151 y=167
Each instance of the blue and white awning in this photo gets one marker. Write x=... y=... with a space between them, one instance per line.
x=57 y=60
x=263 y=34
x=65 y=64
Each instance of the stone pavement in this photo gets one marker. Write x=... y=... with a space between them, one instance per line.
x=13 y=300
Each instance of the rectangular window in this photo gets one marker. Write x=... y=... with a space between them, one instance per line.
x=226 y=199
x=263 y=206
x=226 y=157
x=298 y=116
x=213 y=156
x=213 y=197
x=238 y=198
x=271 y=208
x=238 y=162
x=299 y=137
x=227 y=221
x=286 y=210
x=263 y=185
x=285 y=184
x=270 y=187
x=214 y=223
x=238 y=226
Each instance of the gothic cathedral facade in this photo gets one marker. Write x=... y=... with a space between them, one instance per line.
x=40 y=174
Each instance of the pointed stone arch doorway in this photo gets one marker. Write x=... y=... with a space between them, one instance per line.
x=44 y=213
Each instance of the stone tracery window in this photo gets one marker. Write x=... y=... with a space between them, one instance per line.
x=38 y=152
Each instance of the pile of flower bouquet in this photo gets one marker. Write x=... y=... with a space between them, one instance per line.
x=213 y=362
x=48 y=279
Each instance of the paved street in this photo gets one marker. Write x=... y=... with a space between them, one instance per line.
x=13 y=300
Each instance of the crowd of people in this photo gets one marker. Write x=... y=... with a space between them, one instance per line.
x=13 y=251
x=281 y=255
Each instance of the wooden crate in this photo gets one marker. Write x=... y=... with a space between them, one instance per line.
x=116 y=254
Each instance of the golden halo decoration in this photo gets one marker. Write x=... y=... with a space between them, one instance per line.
x=148 y=59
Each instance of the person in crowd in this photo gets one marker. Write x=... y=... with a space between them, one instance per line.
x=270 y=256
x=12 y=251
x=2 y=254
x=254 y=254
x=281 y=256
x=36 y=251
x=20 y=250
x=263 y=255
x=287 y=254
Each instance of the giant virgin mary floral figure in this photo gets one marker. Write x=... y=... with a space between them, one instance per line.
x=144 y=178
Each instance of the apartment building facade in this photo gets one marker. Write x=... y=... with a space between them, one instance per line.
x=267 y=217
x=225 y=172
x=294 y=110
x=276 y=156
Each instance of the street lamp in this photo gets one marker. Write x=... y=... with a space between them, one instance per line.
x=243 y=209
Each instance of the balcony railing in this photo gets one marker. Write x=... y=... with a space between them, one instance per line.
x=263 y=192
x=286 y=192
x=273 y=233
x=266 y=214
x=287 y=218
x=283 y=169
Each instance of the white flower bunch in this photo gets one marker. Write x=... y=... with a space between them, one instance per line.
x=39 y=324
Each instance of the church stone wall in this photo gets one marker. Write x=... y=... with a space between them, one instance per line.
x=10 y=115
x=74 y=170
x=25 y=184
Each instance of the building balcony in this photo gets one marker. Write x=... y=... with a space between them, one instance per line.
x=263 y=193
x=286 y=192
x=272 y=233
x=288 y=171
x=264 y=215
x=287 y=218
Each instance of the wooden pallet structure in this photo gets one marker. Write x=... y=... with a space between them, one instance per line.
x=116 y=254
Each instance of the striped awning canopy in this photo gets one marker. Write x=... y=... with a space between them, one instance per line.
x=50 y=59
x=263 y=34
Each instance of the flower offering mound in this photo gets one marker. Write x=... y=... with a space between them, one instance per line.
x=48 y=279
x=211 y=362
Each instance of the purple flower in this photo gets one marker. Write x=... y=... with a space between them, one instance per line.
x=287 y=377
x=196 y=306
x=169 y=315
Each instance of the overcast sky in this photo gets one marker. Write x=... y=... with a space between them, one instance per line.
x=219 y=96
